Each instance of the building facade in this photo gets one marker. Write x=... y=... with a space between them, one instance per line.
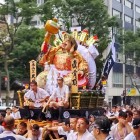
x=36 y=21
x=125 y=72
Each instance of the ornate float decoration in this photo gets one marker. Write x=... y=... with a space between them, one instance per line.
x=59 y=59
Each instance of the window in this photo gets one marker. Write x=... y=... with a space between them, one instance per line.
x=39 y=22
x=138 y=23
x=119 y=1
x=39 y=2
x=117 y=79
x=116 y=13
x=34 y=23
x=128 y=19
x=137 y=9
x=128 y=4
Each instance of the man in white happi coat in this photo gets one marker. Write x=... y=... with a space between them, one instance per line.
x=34 y=98
x=59 y=98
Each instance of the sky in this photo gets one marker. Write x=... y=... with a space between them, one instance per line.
x=1 y=1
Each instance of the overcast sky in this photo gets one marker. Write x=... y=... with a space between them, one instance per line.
x=1 y=1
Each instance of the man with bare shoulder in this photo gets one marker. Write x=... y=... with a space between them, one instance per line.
x=59 y=98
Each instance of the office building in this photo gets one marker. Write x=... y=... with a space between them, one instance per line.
x=128 y=14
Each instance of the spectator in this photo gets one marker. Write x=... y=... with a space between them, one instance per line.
x=136 y=114
x=134 y=108
x=127 y=107
x=118 y=109
x=91 y=120
x=2 y=116
x=114 y=113
x=107 y=111
x=101 y=129
x=120 y=130
x=135 y=134
x=123 y=108
x=8 y=112
x=8 y=134
x=15 y=113
x=129 y=117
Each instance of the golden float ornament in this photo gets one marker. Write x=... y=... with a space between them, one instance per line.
x=51 y=28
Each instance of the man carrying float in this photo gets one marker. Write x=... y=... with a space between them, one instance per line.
x=34 y=98
x=59 y=98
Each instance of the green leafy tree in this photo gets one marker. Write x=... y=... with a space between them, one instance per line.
x=27 y=47
x=132 y=44
x=21 y=11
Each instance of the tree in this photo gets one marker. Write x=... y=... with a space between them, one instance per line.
x=20 y=11
x=27 y=47
x=132 y=45
x=131 y=41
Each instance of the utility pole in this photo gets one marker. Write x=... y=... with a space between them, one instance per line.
x=124 y=58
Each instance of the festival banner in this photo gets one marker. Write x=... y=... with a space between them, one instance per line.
x=32 y=70
x=74 y=67
x=110 y=60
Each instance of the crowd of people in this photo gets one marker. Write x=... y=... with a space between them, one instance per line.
x=119 y=123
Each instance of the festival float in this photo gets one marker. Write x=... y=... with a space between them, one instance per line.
x=75 y=64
